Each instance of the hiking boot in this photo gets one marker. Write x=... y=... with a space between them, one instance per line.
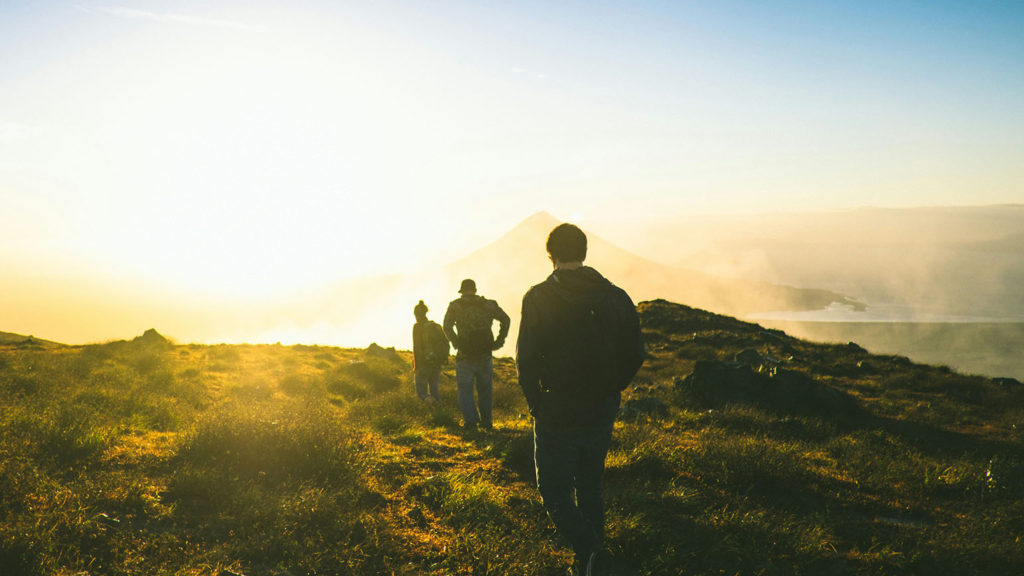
x=600 y=563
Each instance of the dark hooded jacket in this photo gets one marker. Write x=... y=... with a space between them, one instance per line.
x=545 y=348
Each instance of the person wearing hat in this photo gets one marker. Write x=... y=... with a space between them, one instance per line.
x=468 y=324
x=429 y=353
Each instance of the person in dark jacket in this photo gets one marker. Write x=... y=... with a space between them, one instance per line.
x=429 y=353
x=468 y=324
x=579 y=346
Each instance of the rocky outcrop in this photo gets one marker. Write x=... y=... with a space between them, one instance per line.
x=715 y=384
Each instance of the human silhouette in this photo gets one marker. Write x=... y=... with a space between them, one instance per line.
x=468 y=324
x=579 y=346
x=429 y=354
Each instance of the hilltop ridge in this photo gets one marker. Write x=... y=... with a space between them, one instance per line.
x=143 y=456
x=9 y=339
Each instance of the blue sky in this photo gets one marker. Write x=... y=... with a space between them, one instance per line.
x=228 y=146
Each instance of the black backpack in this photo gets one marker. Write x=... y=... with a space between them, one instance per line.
x=598 y=350
x=473 y=326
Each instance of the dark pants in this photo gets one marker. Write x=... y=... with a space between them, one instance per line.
x=570 y=471
x=427 y=382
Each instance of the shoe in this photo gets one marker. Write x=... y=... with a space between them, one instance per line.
x=600 y=563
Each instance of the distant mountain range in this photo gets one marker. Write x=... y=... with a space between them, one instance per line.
x=519 y=259
x=505 y=269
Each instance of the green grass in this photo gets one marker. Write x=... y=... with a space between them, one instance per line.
x=145 y=457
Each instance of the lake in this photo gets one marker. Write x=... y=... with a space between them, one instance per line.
x=989 y=348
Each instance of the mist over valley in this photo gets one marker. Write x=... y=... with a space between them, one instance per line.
x=940 y=285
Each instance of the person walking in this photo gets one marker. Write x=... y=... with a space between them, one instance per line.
x=429 y=354
x=468 y=323
x=579 y=346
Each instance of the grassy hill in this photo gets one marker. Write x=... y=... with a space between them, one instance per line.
x=10 y=339
x=145 y=457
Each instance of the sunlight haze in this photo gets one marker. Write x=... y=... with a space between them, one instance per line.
x=253 y=153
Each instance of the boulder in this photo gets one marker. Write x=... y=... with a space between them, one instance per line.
x=855 y=348
x=755 y=360
x=797 y=392
x=151 y=339
x=647 y=406
x=749 y=356
x=374 y=350
x=716 y=383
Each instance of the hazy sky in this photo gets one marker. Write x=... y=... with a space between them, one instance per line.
x=252 y=147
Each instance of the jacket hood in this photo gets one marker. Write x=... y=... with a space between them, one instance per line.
x=581 y=284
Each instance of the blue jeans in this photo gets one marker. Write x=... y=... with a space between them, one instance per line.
x=570 y=477
x=428 y=379
x=478 y=371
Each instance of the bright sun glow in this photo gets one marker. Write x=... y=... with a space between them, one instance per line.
x=256 y=153
x=240 y=160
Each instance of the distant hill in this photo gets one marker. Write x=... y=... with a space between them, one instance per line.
x=9 y=339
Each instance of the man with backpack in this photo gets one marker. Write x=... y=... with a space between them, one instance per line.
x=467 y=323
x=579 y=346
x=429 y=354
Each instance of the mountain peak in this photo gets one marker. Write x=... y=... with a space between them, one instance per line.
x=540 y=219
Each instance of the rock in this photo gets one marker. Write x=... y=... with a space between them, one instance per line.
x=755 y=360
x=773 y=335
x=377 y=351
x=749 y=356
x=900 y=360
x=715 y=384
x=855 y=348
x=152 y=338
x=648 y=406
x=798 y=392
